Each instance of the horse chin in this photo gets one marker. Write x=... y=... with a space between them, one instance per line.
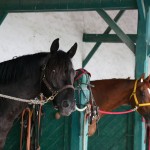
x=66 y=111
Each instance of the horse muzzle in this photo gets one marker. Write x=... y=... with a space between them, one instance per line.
x=67 y=107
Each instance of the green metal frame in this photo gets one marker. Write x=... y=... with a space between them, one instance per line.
x=2 y=16
x=141 y=8
x=106 y=38
x=63 y=5
x=117 y=30
x=142 y=52
x=96 y=46
x=79 y=124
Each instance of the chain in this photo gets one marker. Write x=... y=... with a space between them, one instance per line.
x=35 y=101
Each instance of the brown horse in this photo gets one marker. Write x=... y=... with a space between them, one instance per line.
x=112 y=93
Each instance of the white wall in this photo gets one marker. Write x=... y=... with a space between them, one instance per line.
x=28 y=33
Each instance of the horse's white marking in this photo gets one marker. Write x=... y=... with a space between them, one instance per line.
x=141 y=79
x=148 y=90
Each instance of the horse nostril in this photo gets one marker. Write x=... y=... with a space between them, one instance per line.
x=65 y=104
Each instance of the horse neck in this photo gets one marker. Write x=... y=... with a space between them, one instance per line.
x=112 y=93
x=27 y=85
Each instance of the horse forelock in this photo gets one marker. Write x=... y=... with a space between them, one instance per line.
x=15 y=69
x=62 y=64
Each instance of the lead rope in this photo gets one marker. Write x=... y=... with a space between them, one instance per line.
x=28 y=128
x=38 y=112
x=37 y=129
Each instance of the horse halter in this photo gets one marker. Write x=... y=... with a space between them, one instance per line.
x=54 y=92
x=135 y=97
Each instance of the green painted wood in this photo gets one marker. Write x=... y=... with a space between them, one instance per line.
x=79 y=128
x=55 y=133
x=63 y=5
x=94 y=49
x=115 y=132
x=148 y=42
x=2 y=16
x=141 y=67
x=117 y=30
x=148 y=32
x=141 y=9
x=106 y=38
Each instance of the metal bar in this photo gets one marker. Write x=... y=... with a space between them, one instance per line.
x=141 y=9
x=130 y=129
x=106 y=38
x=64 y=5
x=148 y=33
x=92 y=52
x=2 y=16
x=117 y=30
x=144 y=146
x=141 y=52
x=141 y=67
x=79 y=123
x=66 y=134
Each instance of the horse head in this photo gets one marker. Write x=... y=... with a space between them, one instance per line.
x=143 y=98
x=59 y=77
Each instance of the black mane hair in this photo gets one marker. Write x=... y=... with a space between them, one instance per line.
x=15 y=69
x=28 y=66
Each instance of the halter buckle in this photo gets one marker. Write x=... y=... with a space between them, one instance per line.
x=135 y=109
x=53 y=96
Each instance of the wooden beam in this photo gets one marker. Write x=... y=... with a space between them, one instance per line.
x=79 y=123
x=148 y=33
x=107 y=31
x=142 y=52
x=141 y=9
x=117 y=30
x=2 y=16
x=106 y=38
x=64 y=5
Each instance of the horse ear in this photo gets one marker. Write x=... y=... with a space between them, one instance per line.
x=54 y=46
x=72 y=50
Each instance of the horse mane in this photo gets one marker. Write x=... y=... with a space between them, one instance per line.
x=28 y=66
x=15 y=69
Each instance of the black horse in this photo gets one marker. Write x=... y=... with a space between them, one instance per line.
x=27 y=76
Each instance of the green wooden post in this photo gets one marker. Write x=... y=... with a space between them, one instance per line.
x=141 y=67
x=79 y=125
x=130 y=44
x=2 y=16
x=96 y=46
